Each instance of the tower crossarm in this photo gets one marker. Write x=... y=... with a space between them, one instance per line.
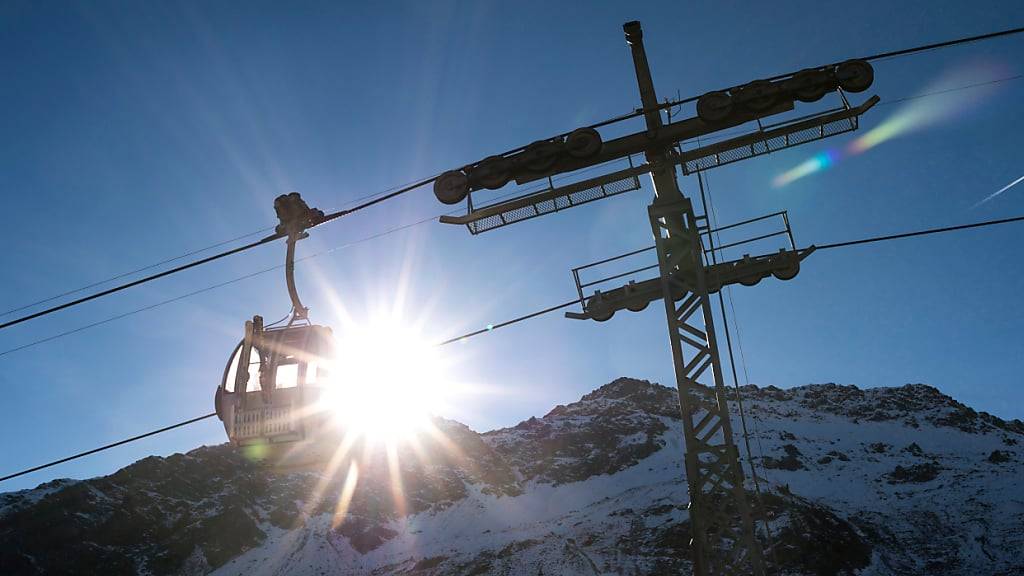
x=635 y=295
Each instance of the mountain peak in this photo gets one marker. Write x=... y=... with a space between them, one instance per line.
x=857 y=481
x=625 y=394
x=914 y=404
x=624 y=387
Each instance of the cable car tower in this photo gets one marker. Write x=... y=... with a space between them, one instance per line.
x=724 y=539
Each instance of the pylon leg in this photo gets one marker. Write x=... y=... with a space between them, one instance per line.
x=724 y=541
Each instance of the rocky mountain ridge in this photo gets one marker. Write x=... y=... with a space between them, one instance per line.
x=859 y=481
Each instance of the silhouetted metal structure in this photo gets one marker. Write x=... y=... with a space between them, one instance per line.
x=268 y=397
x=724 y=535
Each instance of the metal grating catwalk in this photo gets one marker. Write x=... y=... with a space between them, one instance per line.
x=774 y=139
x=549 y=200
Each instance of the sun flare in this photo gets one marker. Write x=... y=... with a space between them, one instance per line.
x=386 y=380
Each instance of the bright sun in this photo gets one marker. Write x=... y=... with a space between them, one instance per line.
x=387 y=381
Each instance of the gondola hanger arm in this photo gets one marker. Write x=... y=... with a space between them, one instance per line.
x=295 y=218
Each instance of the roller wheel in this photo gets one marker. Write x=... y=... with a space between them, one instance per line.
x=638 y=307
x=714 y=106
x=539 y=156
x=451 y=187
x=787 y=273
x=493 y=172
x=757 y=96
x=751 y=280
x=598 y=308
x=855 y=75
x=583 y=143
x=809 y=85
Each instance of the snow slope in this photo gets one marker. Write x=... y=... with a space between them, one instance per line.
x=880 y=481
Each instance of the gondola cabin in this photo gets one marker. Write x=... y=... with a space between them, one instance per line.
x=269 y=397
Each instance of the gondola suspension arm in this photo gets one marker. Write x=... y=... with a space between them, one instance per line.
x=295 y=217
x=299 y=312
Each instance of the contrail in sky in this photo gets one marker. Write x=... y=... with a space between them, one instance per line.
x=1000 y=191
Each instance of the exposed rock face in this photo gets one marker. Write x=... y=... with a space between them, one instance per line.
x=608 y=430
x=880 y=481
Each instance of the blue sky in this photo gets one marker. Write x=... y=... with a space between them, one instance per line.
x=132 y=132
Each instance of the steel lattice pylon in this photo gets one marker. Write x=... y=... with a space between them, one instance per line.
x=724 y=537
x=724 y=542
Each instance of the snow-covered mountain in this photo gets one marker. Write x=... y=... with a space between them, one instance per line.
x=879 y=481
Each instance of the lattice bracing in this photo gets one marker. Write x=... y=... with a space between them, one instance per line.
x=724 y=541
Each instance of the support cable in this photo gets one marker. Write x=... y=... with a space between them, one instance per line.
x=84 y=327
x=740 y=131
x=169 y=260
x=133 y=272
x=488 y=328
x=669 y=104
x=709 y=207
x=211 y=287
x=493 y=327
x=952 y=89
x=919 y=233
x=728 y=342
x=109 y=446
x=707 y=203
x=746 y=379
x=258 y=273
x=945 y=44
x=882 y=56
x=386 y=196
x=400 y=191
x=267 y=240
x=143 y=280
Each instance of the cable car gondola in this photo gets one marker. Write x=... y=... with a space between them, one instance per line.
x=268 y=398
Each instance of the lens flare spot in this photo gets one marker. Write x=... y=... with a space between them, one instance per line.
x=255 y=452
x=952 y=95
x=817 y=163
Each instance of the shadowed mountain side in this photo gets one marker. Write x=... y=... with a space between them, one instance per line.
x=861 y=482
